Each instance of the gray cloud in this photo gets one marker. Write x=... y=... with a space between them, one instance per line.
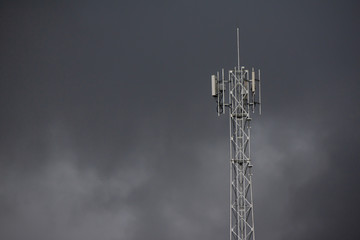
x=108 y=129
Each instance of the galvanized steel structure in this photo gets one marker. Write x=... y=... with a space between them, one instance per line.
x=244 y=94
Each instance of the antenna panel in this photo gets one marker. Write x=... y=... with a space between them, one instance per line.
x=253 y=80
x=214 y=86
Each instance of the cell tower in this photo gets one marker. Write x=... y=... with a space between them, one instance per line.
x=244 y=95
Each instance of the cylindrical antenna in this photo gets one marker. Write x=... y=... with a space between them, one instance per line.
x=218 y=91
x=238 y=47
x=259 y=93
x=223 y=88
x=253 y=80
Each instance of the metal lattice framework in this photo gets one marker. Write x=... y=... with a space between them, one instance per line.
x=241 y=202
x=241 y=103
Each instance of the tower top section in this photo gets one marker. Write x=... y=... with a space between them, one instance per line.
x=247 y=82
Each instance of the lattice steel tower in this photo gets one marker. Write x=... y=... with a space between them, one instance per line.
x=244 y=94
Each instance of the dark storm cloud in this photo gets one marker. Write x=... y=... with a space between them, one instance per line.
x=108 y=129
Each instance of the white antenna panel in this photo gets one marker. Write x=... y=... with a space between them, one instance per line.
x=214 y=86
x=253 y=80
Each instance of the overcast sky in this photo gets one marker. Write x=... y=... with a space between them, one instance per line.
x=108 y=129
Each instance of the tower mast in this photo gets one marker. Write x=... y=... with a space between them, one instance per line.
x=243 y=89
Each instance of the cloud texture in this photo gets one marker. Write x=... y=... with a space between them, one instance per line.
x=108 y=129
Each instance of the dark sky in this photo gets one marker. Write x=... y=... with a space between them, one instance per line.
x=108 y=129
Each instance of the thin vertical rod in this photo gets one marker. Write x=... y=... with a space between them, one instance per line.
x=238 y=47
x=223 y=95
x=218 y=90
x=259 y=93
